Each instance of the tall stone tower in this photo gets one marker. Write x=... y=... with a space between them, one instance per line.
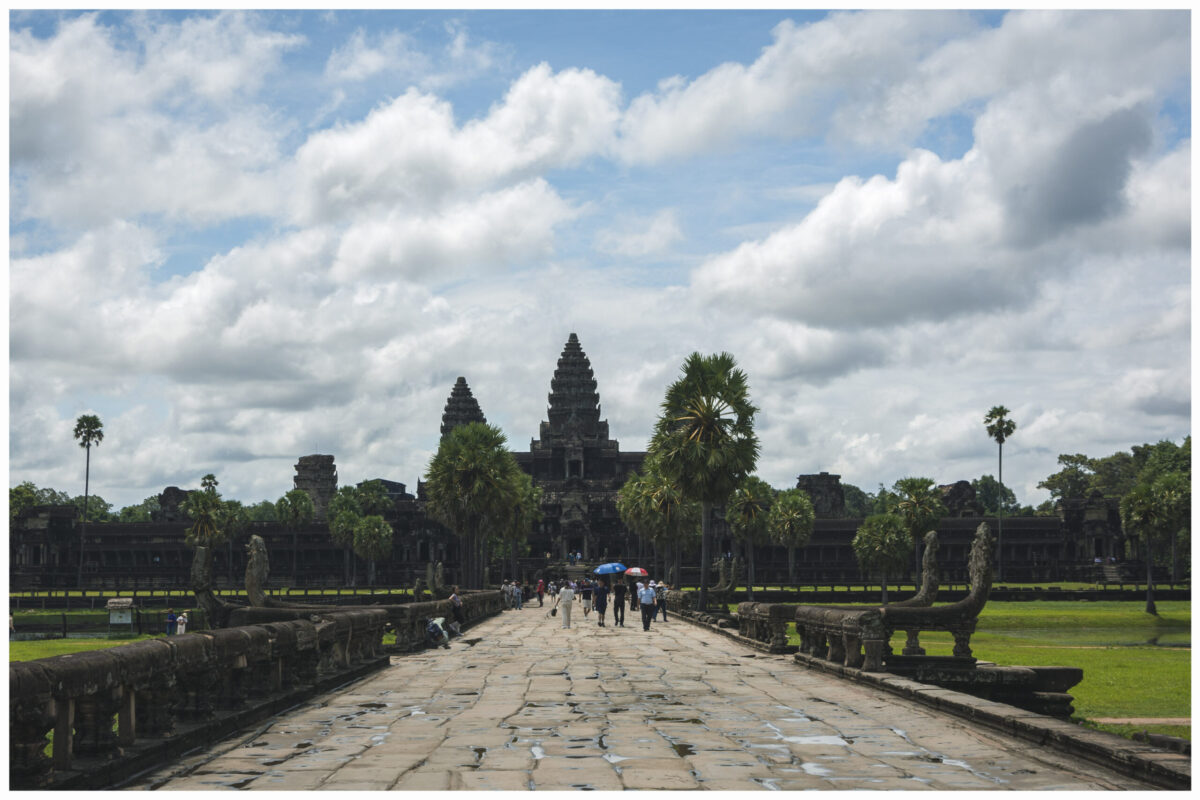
x=578 y=467
x=461 y=408
x=825 y=491
x=317 y=475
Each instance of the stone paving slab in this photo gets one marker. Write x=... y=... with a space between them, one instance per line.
x=533 y=706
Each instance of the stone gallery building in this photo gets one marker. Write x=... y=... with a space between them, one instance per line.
x=580 y=469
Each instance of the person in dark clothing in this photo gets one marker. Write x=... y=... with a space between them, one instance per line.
x=618 y=592
x=600 y=599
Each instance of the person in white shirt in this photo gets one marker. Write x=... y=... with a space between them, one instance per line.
x=566 y=599
x=181 y=622
x=647 y=600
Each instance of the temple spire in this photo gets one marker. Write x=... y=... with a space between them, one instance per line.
x=461 y=407
x=573 y=395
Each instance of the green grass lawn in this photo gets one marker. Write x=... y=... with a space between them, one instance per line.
x=44 y=648
x=1123 y=675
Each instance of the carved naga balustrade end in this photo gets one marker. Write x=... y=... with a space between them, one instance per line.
x=857 y=637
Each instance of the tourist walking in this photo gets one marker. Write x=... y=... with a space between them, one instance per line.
x=181 y=623
x=654 y=586
x=565 y=600
x=600 y=601
x=456 y=607
x=660 y=595
x=171 y=619
x=619 y=591
x=647 y=601
x=541 y=592
x=585 y=590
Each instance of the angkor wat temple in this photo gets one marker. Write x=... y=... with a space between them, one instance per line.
x=579 y=468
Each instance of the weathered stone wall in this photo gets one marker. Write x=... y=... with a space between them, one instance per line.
x=168 y=695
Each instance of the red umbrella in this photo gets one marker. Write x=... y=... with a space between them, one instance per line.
x=636 y=572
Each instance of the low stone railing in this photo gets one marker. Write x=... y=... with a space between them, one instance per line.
x=106 y=706
x=408 y=620
x=767 y=623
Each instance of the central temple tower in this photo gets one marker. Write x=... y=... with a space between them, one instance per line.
x=578 y=467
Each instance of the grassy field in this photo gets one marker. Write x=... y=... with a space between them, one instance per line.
x=44 y=648
x=1124 y=675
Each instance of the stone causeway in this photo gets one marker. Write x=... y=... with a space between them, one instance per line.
x=519 y=703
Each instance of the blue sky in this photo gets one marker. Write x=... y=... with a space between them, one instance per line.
x=240 y=237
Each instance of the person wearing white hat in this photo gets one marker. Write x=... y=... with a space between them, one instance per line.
x=566 y=599
x=646 y=599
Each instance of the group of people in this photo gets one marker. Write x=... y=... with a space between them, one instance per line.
x=176 y=623
x=594 y=594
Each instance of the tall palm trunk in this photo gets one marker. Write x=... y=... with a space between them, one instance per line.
x=883 y=580
x=705 y=552
x=1000 y=518
x=749 y=570
x=791 y=564
x=87 y=472
x=1151 y=608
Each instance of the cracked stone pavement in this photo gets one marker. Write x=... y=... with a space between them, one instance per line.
x=529 y=705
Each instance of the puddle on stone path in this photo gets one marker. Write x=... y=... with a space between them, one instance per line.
x=817 y=740
x=683 y=749
x=243 y=783
x=815 y=769
x=373 y=705
x=613 y=758
x=305 y=743
x=690 y=721
x=538 y=752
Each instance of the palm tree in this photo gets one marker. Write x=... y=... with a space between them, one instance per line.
x=89 y=430
x=1157 y=510
x=470 y=486
x=999 y=427
x=295 y=509
x=655 y=508
x=918 y=504
x=790 y=523
x=881 y=543
x=747 y=511
x=704 y=439
x=525 y=513
x=372 y=541
x=345 y=511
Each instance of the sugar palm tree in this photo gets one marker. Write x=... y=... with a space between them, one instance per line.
x=881 y=544
x=470 y=486
x=704 y=439
x=1157 y=510
x=999 y=427
x=344 y=513
x=790 y=523
x=918 y=504
x=747 y=511
x=89 y=430
x=372 y=541
x=295 y=509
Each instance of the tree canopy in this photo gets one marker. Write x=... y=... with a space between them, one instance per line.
x=704 y=439
x=882 y=545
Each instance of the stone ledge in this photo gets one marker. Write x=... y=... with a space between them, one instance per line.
x=1163 y=768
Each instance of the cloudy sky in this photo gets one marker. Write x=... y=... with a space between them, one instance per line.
x=240 y=238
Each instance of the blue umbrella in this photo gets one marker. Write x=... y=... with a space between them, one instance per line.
x=609 y=569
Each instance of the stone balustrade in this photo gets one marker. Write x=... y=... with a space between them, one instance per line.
x=93 y=719
x=105 y=705
x=767 y=623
